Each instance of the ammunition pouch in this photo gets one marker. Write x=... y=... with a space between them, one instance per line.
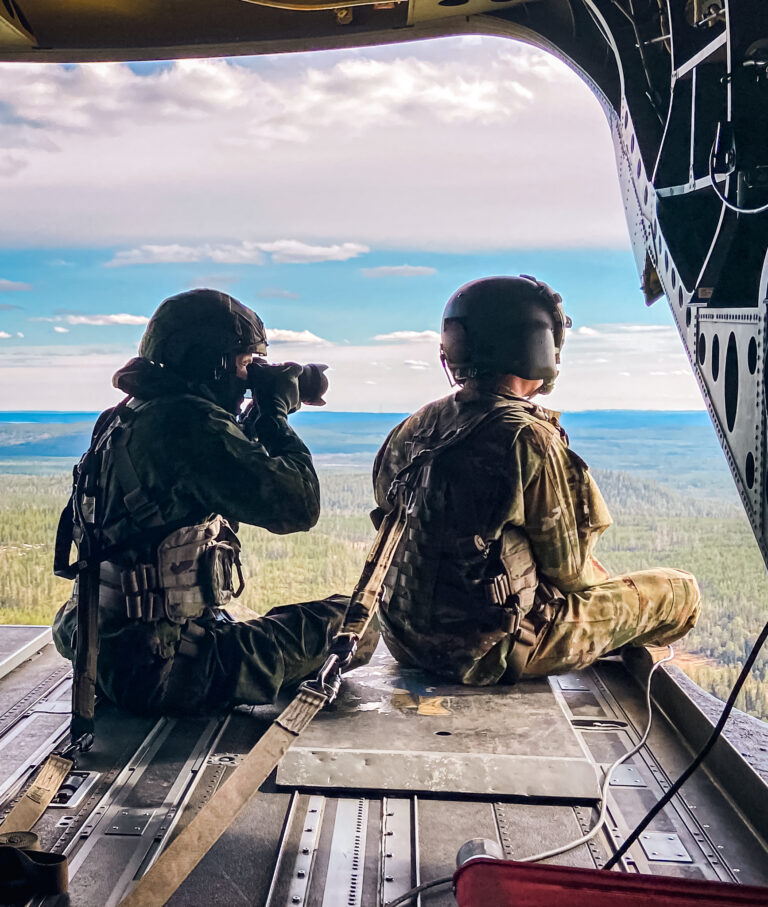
x=195 y=568
x=143 y=599
x=525 y=606
x=194 y=571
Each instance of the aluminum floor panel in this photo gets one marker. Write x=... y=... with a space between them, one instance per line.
x=18 y=643
x=397 y=729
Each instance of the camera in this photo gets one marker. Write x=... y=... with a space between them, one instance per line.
x=313 y=382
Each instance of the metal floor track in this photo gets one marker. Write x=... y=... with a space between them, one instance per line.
x=336 y=847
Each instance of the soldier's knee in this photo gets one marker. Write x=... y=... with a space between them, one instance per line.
x=687 y=598
x=692 y=591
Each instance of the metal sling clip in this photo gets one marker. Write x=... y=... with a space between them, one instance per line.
x=76 y=747
x=328 y=678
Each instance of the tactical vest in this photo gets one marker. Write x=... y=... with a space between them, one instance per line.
x=150 y=568
x=453 y=577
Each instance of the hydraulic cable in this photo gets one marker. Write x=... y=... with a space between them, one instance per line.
x=716 y=189
x=703 y=753
x=571 y=845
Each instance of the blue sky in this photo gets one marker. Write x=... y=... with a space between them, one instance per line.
x=344 y=195
x=348 y=301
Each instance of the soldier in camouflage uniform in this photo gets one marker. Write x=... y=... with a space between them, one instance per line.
x=495 y=577
x=177 y=470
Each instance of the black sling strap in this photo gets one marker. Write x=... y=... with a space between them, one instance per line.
x=87 y=570
x=91 y=553
x=26 y=873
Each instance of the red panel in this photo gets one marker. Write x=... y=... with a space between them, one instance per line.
x=504 y=883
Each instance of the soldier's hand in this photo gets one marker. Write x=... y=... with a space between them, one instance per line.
x=275 y=387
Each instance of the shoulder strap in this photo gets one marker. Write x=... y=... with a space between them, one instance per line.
x=406 y=477
x=72 y=515
x=144 y=511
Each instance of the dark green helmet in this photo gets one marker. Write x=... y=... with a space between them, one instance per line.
x=504 y=326
x=199 y=333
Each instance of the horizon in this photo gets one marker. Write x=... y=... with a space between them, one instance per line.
x=322 y=411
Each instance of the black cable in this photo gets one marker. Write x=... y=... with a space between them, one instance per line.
x=703 y=753
x=411 y=894
x=716 y=189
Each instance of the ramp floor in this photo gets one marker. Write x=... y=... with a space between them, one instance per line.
x=304 y=841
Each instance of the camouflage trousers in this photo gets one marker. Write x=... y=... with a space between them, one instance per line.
x=213 y=663
x=650 y=607
x=221 y=664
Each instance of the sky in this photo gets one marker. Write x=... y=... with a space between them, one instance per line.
x=344 y=195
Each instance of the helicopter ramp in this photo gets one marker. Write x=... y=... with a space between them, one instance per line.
x=323 y=833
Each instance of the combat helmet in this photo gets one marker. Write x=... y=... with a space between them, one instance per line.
x=199 y=334
x=504 y=326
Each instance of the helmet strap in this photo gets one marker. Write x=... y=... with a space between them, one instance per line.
x=448 y=373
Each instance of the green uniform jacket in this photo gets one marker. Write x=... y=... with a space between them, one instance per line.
x=515 y=469
x=193 y=460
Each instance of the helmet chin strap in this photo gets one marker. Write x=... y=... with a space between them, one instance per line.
x=448 y=373
x=229 y=392
x=227 y=389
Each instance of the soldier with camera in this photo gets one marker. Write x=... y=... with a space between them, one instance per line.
x=495 y=577
x=171 y=472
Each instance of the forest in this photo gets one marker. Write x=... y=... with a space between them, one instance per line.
x=653 y=525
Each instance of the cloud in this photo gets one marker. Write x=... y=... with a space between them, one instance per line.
x=83 y=375
x=408 y=337
x=613 y=369
x=416 y=363
x=278 y=335
x=120 y=318
x=290 y=251
x=8 y=307
x=586 y=331
x=282 y=251
x=60 y=330
x=12 y=286
x=283 y=106
x=641 y=328
x=625 y=366
x=206 y=148
x=11 y=164
x=213 y=281
x=277 y=293
x=243 y=254
x=398 y=271
x=4 y=335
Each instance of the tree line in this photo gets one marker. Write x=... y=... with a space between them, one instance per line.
x=654 y=526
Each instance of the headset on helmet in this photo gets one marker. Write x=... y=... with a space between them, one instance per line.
x=199 y=334
x=504 y=326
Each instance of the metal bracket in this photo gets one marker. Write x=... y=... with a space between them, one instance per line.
x=627 y=776
x=131 y=821
x=227 y=759
x=664 y=847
